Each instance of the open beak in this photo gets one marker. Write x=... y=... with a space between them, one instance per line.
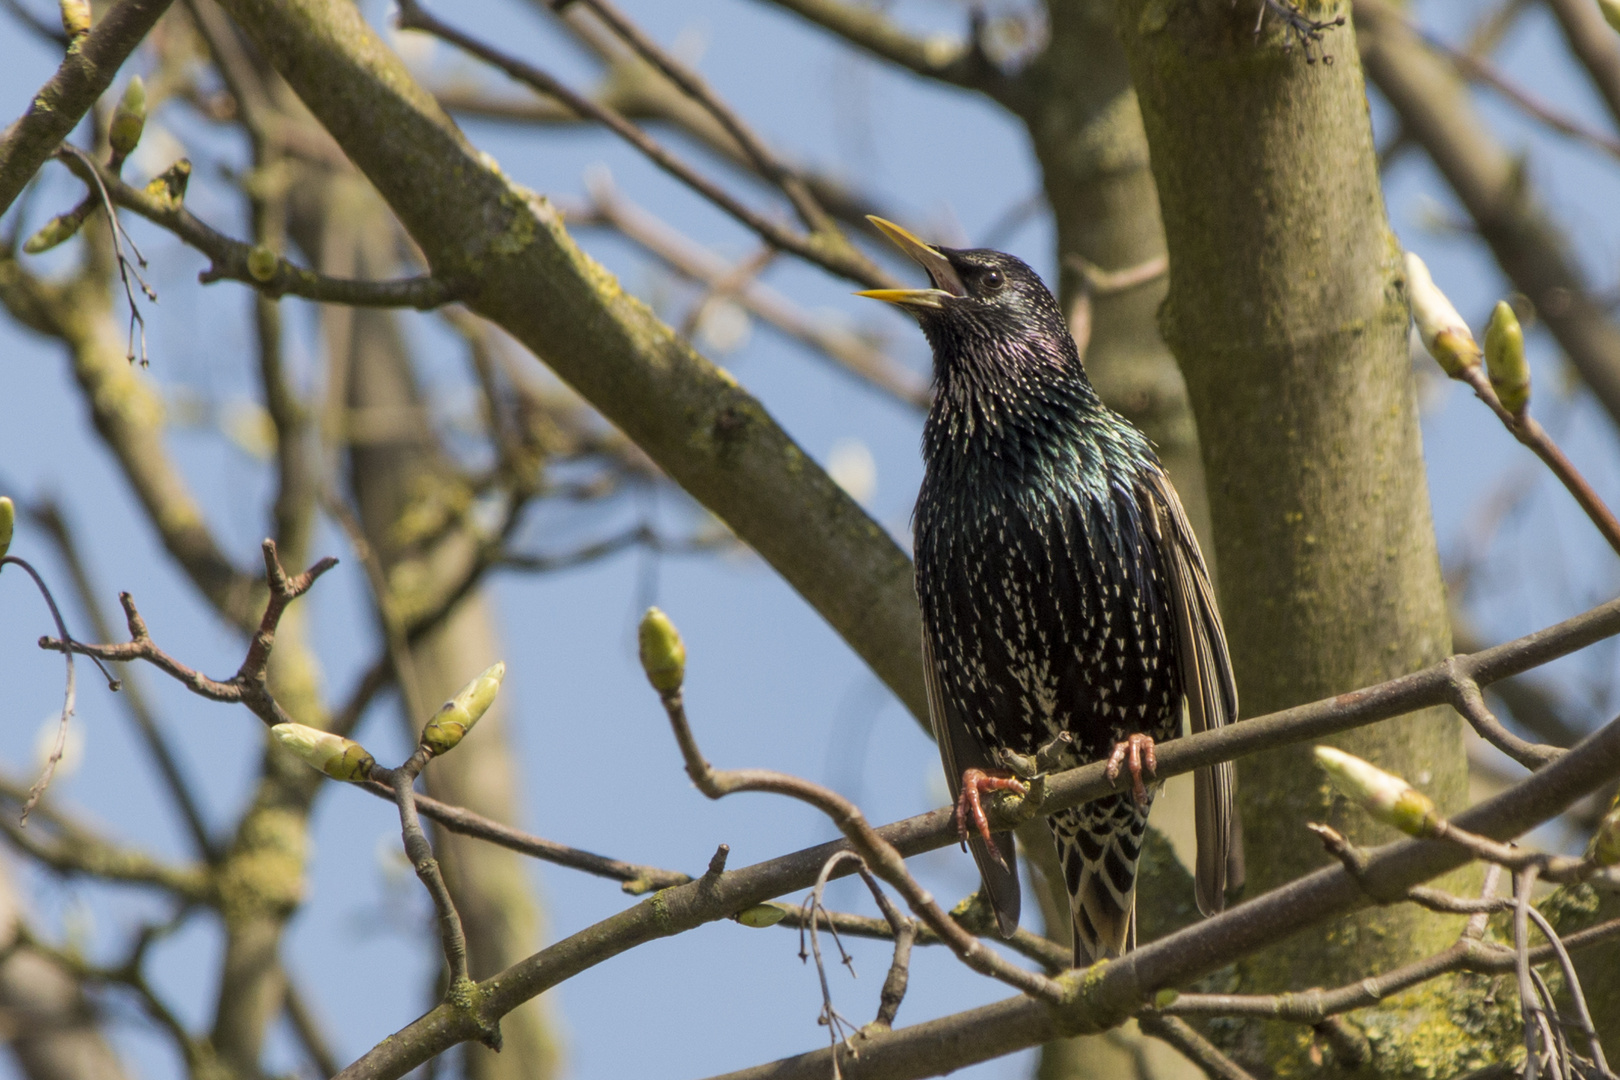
x=947 y=282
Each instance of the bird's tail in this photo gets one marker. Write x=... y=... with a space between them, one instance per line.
x=1098 y=848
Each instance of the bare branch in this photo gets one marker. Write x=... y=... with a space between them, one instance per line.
x=70 y=847
x=1524 y=427
x=697 y=88
x=1197 y=1049
x=249 y=685
x=1469 y=700
x=828 y=249
x=1122 y=984
x=636 y=879
x=61 y=103
x=961 y=63
x=259 y=267
x=875 y=852
x=37 y=792
x=1594 y=45
x=1113 y=990
x=1312 y=1006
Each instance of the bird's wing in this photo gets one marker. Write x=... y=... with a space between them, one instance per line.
x=960 y=750
x=1207 y=680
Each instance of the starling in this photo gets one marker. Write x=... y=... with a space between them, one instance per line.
x=1067 y=612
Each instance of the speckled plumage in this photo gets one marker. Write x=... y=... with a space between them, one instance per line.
x=1061 y=588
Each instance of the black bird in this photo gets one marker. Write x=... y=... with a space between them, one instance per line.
x=1067 y=612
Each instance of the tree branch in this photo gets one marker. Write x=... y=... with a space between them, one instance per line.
x=260 y=268
x=697 y=88
x=70 y=848
x=61 y=103
x=249 y=685
x=875 y=852
x=828 y=249
x=1009 y=1026
x=1109 y=993
x=960 y=63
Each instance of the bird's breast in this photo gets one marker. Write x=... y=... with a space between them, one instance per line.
x=1046 y=612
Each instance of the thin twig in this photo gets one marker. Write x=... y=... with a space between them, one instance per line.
x=1100 y=997
x=37 y=792
x=877 y=854
x=1470 y=702
x=697 y=88
x=1478 y=69
x=61 y=103
x=71 y=153
x=249 y=685
x=839 y=1029
x=1524 y=427
x=1572 y=983
x=827 y=250
x=1193 y=1046
x=635 y=878
x=1312 y=1006
x=420 y=852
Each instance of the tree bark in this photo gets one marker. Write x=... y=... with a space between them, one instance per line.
x=1287 y=313
x=1080 y=109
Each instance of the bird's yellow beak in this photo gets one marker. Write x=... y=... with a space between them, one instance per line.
x=947 y=282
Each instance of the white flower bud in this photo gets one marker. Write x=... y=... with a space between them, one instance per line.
x=1383 y=795
x=1443 y=331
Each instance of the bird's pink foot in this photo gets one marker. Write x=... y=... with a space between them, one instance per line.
x=970 y=808
x=1136 y=753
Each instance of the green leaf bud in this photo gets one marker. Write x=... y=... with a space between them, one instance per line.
x=337 y=757
x=457 y=716
x=262 y=263
x=75 y=18
x=1443 y=331
x=8 y=521
x=1504 y=359
x=1605 y=847
x=1165 y=998
x=761 y=915
x=129 y=119
x=58 y=230
x=1385 y=796
x=663 y=654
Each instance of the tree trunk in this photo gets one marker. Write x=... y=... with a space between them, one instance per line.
x=1086 y=130
x=1287 y=313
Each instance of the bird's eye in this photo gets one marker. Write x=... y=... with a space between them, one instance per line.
x=991 y=280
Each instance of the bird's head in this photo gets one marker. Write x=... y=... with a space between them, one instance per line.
x=984 y=308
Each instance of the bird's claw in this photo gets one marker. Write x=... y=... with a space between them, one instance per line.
x=970 y=806
x=1138 y=755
